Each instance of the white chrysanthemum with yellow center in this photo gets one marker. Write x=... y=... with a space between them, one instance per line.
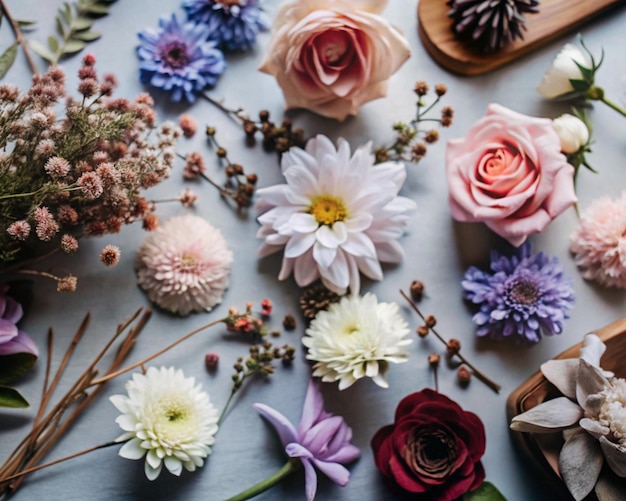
x=168 y=419
x=184 y=265
x=357 y=337
x=337 y=216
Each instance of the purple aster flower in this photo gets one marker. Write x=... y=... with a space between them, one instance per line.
x=525 y=295
x=13 y=340
x=321 y=440
x=178 y=58
x=233 y=24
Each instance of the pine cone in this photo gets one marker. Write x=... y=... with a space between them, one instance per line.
x=490 y=24
x=316 y=298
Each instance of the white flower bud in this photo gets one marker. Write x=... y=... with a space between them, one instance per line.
x=556 y=81
x=572 y=132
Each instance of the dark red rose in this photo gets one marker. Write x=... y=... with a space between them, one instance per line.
x=433 y=448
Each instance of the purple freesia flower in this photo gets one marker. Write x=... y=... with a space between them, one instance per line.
x=178 y=58
x=525 y=296
x=233 y=24
x=13 y=340
x=321 y=440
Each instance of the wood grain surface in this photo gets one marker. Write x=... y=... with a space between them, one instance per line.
x=555 y=18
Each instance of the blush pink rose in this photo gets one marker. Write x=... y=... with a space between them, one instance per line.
x=332 y=56
x=509 y=173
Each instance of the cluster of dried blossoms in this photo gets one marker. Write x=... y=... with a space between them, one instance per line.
x=411 y=140
x=77 y=174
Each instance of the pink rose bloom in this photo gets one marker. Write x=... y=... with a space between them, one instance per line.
x=509 y=173
x=332 y=56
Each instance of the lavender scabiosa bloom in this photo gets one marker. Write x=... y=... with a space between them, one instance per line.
x=178 y=58
x=525 y=295
x=12 y=340
x=233 y=24
x=320 y=441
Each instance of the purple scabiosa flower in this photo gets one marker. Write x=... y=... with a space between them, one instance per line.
x=178 y=58
x=320 y=441
x=233 y=24
x=524 y=296
x=13 y=340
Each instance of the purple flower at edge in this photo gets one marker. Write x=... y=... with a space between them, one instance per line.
x=13 y=340
x=524 y=296
x=178 y=58
x=233 y=24
x=321 y=440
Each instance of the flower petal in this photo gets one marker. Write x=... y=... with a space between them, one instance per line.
x=336 y=472
x=589 y=381
x=580 y=463
x=286 y=431
x=312 y=408
x=562 y=374
x=553 y=415
x=174 y=465
x=615 y=455
x=132 y=449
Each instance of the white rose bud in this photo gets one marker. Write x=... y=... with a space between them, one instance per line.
x=572 y=132
x=556 y=81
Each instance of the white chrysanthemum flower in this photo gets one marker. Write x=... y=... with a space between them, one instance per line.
x=357 y=337
x=338 y=215
x=184 y=265
x=168 y=419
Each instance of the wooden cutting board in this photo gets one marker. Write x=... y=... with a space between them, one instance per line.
x=555 y=18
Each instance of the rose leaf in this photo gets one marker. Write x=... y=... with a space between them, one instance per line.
x=15 y=365
x=10 y=397
x=553 y=415
x=580 y=463
x=485 y=492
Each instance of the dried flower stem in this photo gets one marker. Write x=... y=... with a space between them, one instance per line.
x=61 y=460
x=19 y=37
x=493 y=385
x=236 y=115
x=48 y=428
x=157 y=354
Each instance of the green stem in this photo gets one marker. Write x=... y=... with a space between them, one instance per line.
x=613 y=105
x=271 y=481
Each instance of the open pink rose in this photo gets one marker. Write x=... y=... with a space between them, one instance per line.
x=509 y=173
x=332 y=56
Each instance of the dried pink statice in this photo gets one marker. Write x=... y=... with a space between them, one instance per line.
x=188 y=198
x=184 y=265
x=69 y=244
x=194 y=165
x=19 y=230
x=46 y=227
x=57 y=167
x=188 y=125
x=599 y=243
x=110 y=255
x=83 y=172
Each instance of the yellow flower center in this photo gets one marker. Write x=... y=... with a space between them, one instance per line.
x=327 y=210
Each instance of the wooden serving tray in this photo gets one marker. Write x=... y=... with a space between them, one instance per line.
x=543 y=449
x=555 y=18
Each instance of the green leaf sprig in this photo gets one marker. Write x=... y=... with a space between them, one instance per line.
x=73 y=29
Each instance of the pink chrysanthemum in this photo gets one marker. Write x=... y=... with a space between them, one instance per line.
x=599 y=244
x=184 y=265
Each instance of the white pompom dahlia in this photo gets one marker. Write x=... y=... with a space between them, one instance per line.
x=168 y=419
x=184 y=265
